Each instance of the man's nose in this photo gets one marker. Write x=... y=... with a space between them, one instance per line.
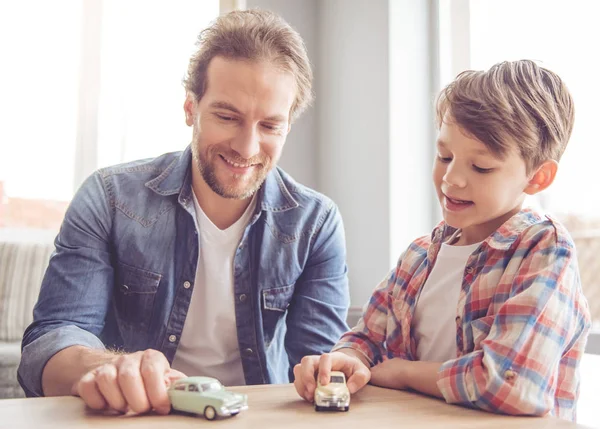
x=247 y=142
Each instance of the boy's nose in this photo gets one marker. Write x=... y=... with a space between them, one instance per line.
x=454 y=177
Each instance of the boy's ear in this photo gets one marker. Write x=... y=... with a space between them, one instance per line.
x=189 y=107
x=542 y=178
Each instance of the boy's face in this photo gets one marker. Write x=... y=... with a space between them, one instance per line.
x=477 y=190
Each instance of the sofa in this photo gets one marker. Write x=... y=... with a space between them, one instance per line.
x=22 y=267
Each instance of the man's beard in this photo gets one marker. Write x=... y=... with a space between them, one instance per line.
x=206 y=165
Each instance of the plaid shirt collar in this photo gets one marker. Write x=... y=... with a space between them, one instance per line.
x=501 y=239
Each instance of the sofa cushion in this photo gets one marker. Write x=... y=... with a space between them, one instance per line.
x=10 y=354
x=22 y=267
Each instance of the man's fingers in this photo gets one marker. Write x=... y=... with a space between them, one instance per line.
x=173 y=375
x=106 y=380
x=154 y=368
x=88 y=390
x=131 y=383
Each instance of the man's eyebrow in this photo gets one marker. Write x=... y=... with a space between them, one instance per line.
x=276 y=118
x=225 y=105
x=228 y=106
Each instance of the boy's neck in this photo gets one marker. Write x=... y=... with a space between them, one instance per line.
x=478 y=233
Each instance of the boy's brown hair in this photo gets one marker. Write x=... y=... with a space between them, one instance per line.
x=253 y=35
x=515 y=101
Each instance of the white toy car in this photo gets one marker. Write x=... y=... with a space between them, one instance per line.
x=334 y=395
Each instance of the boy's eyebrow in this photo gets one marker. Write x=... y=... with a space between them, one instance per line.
x=484 y=152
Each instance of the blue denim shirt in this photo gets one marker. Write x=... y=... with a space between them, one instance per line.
x=128 y=244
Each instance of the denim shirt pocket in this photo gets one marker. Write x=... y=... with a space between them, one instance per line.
x=275 y=302
x=135 y=290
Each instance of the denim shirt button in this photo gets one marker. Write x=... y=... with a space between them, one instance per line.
x=172 y=338
x=186 y=285
x=248 y=352
x=243 y=297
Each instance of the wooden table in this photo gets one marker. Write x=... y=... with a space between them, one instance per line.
x=275 y=407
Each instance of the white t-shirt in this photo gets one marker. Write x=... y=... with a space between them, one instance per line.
x=209 y=342
x=434 y=325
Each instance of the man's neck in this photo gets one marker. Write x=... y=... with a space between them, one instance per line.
x=222 y=212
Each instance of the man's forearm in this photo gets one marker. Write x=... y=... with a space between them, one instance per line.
x=67 y=366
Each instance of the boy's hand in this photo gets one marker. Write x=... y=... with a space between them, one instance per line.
x=347 y=360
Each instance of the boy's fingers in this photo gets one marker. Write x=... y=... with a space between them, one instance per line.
x=359 y=378
x=325 y=368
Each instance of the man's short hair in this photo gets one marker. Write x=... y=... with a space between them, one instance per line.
x=253 y=35
x=513 y=103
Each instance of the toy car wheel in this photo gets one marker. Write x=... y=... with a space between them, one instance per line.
x=319 y=408
x=346 y=408
x=210 y=413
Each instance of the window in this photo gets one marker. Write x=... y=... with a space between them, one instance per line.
x=475 y=34
x=91 y=84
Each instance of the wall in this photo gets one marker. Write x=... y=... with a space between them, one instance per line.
x=366 y=141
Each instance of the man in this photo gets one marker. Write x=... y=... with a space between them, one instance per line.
x=210 y=261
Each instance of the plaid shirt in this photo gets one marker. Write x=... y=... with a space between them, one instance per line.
x=521 y=323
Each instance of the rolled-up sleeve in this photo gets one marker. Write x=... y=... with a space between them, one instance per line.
x=369 y=335
x=77 y=287
x=36 y=354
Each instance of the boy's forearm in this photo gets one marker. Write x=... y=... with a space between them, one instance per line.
x=67 y=367
x=403 y=374
x=422 y=377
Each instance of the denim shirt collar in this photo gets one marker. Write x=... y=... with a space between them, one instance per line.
x=502 y=238
x=273 y=195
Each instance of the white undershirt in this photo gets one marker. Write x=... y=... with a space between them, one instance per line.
x=434 y=325
x=209 y=342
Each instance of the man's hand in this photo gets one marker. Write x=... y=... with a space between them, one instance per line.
x=348 y=361
x=136 y=382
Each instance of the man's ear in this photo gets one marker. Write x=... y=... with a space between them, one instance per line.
x=189 y=107
x=542 y=178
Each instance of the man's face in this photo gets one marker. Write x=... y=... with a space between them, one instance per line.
x=477 y=191
x=240 y=124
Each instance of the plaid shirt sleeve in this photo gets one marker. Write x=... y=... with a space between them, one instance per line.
x=369 y=334
x=541 y=326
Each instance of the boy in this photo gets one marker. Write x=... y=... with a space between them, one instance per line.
x=488 y=311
